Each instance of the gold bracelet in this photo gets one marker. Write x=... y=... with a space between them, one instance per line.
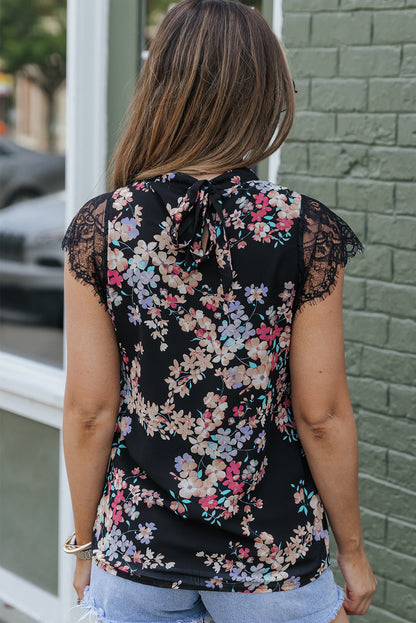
x=84 y=552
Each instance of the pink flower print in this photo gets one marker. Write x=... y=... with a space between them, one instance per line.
x=299 y=496
x=233 y=475
x=261 y=200
x=212 y=305
x=237 y=411
x=119 y=498
x=256 y=217
x=117 y=516
x=234 y=468
x=275 y=333
x=208 y=502
x=172 y=300
x=115 y=278
x=263 y=332
x=262 y=207
x=243 y=552
x=284 y=224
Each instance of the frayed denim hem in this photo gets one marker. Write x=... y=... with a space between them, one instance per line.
x=92 y=614
x=337 y=607
x=331 y=615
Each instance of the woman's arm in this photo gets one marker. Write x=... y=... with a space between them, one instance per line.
x=91 y=404
x=327 y=430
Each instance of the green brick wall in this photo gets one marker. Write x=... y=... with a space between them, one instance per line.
x=353 y=146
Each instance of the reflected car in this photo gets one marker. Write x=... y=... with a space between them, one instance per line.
x=25 y=173
x=32 y=261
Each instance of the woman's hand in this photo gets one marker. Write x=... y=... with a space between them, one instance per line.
x=360 y=583
x=82 y=576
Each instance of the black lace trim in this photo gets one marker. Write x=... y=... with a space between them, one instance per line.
x=85 y=241
x=326 y=242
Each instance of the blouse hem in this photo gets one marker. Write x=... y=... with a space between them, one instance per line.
x=198 y=584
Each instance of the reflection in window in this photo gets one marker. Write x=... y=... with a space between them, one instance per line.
x=32 y=177
x=29 y=464
x=156 y=10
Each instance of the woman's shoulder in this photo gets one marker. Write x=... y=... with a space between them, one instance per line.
x=91 y=213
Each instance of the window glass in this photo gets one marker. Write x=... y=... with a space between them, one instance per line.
x=32 y=177
x=156 y=10
x=29 y=467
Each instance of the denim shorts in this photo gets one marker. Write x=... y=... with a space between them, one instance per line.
x=112 y=599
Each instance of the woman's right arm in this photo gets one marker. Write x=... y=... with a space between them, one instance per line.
x=327 y=430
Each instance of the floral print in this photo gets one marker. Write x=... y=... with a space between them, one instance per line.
x=208 y=486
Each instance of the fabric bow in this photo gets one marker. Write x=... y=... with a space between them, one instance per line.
x=201 y=205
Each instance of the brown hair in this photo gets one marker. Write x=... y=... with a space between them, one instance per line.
x=210 y=96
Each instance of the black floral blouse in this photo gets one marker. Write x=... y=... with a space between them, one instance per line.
x=208 y=487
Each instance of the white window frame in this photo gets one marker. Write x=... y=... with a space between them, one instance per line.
x=277 y=25
x=28 y=388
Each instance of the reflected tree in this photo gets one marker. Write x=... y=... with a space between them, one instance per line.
x=33 y=43
x=156 y=10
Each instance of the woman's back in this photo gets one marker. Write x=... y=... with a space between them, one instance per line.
x=208 y=485
x=181 y=398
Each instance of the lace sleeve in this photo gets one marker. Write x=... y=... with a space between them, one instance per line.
x=86 y=246
x=326 y=242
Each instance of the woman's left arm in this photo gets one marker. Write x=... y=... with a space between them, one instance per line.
x=91 y=404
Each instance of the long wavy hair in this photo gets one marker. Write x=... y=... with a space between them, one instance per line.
x=215 y=93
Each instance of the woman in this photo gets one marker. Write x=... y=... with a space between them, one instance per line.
x=206 y=402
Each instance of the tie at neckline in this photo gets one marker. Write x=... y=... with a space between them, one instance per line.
x=201 y=205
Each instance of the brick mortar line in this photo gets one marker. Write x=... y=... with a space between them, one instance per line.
x=372 y=512
x=351 y=11
x=379 y=281
x=359 y=377
x=393 y=148
x=392 y=551
x=405 y=523
x=329 y=141
x=382 y=349
x=401 y=454
x=388 y=484
x=369 y=345
x=362 y=412
x=380 y=315
x=395 y=618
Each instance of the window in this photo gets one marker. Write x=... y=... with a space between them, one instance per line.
x=32 y=178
